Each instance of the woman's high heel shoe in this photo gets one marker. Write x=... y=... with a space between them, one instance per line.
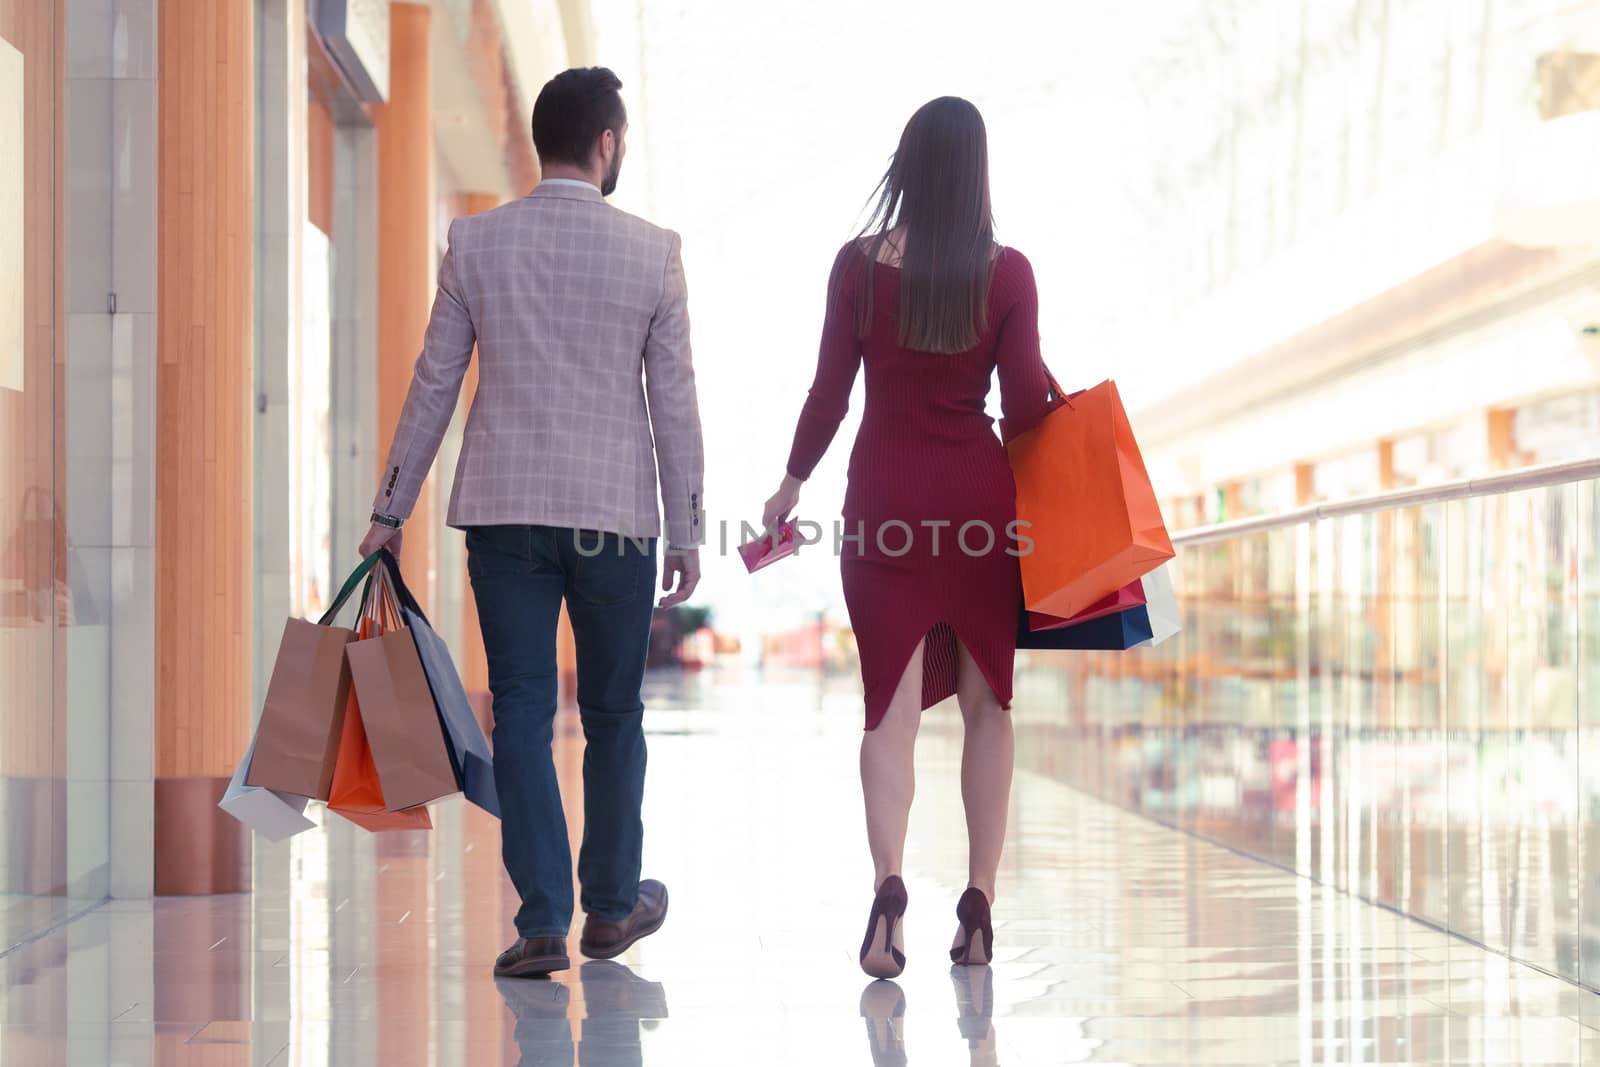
x=975 y=943
x=879 y=956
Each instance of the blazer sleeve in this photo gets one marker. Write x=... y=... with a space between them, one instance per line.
x=673 y=407
x=435 y=388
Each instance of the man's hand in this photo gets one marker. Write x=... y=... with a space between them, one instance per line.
x=381 y=536
x=685 y=565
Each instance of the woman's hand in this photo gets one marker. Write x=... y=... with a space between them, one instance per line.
x=783 y=502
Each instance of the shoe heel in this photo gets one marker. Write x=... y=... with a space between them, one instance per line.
x=879 y=957
x=973 y=913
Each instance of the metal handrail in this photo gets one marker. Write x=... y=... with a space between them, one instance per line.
x=1527 y=478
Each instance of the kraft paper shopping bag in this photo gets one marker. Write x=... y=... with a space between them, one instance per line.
x=401 y=719
x=470 y=756
x=302 y=718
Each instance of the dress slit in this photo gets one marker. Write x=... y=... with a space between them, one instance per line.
x=941 y=672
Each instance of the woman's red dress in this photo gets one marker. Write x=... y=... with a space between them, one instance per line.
x=926 y=466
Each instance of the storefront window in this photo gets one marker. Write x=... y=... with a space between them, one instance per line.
x=1343 y=477
x=33 y=786
x=310 y=443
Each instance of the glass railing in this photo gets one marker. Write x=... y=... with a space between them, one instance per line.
x=1398 y=696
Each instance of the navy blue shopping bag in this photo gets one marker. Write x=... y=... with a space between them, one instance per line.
x=1110 y=633
x=463 y=737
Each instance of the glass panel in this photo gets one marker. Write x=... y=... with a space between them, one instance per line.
x=1470 y=605
x=1399 y=704
x=33 y=782
x=1587 y=803
x=1536 y=821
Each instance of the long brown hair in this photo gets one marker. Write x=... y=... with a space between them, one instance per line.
x=936 y=191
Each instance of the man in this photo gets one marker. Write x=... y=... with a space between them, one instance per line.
x=569 y=301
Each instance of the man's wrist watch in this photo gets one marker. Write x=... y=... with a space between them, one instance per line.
x=682 y=548
x=380 y=519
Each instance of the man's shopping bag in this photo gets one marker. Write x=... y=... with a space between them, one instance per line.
x=302 y=718
x=271 y=814
x=470 y=757
x=357 y=791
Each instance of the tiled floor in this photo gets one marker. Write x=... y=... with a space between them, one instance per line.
x=1119 y=941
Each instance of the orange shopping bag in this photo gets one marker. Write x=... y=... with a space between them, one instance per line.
x=1083 y=492
x=356 y=793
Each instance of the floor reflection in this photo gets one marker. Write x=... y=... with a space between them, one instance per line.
x=617 y=1006
x=883 y=1006
x=975 y=1013
x=1118 y=940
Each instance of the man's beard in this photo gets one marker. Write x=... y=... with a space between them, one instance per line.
x=609 y=186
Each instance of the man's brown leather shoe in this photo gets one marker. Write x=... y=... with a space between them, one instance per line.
x=603 y=939
x=533 y=957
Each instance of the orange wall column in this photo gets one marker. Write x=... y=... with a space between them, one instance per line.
x=203 y=440
x=1305 y=485
x=407 y=273
x=1501 y=427
x=407 y=265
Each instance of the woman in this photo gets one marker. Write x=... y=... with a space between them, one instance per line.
x=932 y=306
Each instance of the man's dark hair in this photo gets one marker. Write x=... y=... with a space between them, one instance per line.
x=574 y=108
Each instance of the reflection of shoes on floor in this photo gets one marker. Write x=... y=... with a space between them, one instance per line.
x=611 y=991
x=883 y=1005
x=975 y=1009
x=542 y=1032
x=535 y=1001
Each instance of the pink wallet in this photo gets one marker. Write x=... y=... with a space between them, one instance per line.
x=765 y=551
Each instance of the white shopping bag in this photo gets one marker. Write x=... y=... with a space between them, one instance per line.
x=1161 y=601
x=271 y=814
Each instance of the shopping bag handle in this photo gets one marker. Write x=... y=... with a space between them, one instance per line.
x=350 y=584
x=379 y=603
x=1057 y=395
x=407 y=601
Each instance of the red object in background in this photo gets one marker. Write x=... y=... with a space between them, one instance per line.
x=697 y=649
x=1283 y=756
x=783 y=541
x=799 y=647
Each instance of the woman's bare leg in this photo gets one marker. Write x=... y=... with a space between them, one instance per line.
x=987 y=755
x=888 y=779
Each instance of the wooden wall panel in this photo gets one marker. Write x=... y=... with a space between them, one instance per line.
x=204 y=387
x=319 y=180
x=407 y=265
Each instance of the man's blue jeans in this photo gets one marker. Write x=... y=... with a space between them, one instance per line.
x=520 y=575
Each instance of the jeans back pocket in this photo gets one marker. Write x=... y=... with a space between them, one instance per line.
x=611 y=569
